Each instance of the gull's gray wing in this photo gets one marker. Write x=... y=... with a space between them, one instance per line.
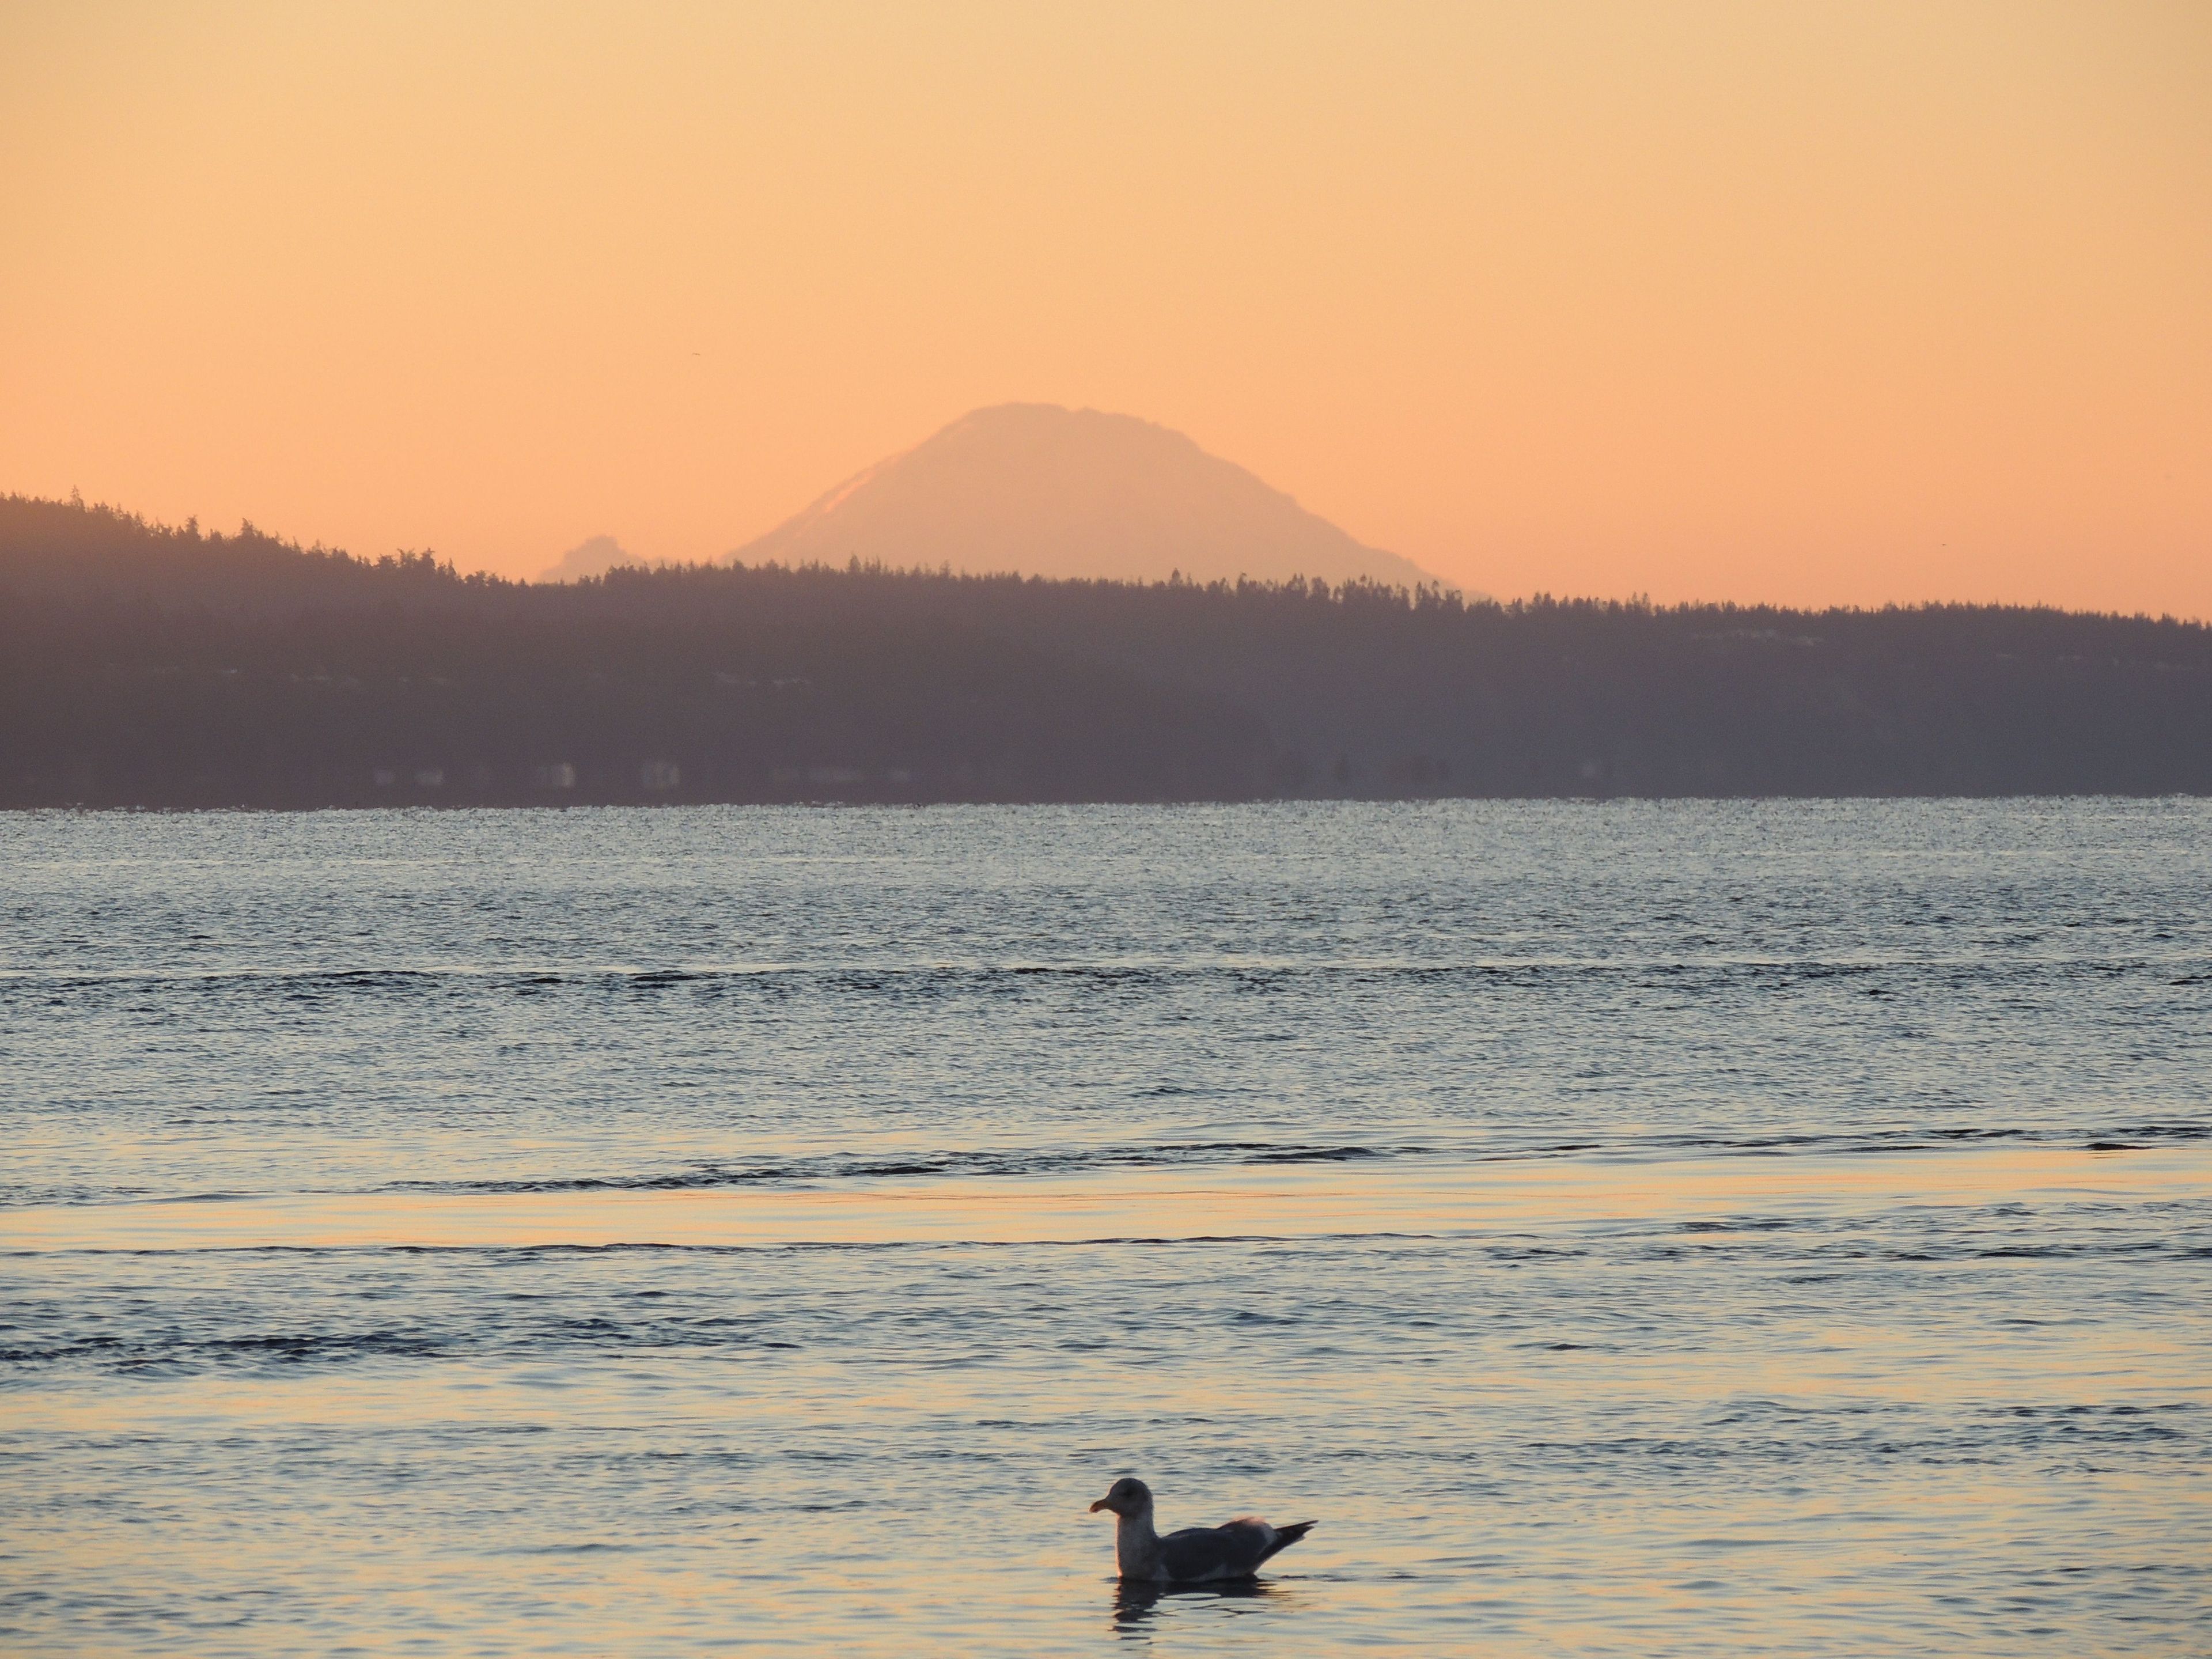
x=1236 y=1551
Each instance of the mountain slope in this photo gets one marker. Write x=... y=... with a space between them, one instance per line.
x=1047 y=491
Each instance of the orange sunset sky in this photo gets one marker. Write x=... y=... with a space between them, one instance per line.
x=1802 y=302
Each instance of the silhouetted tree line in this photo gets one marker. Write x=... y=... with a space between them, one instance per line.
x=141 y=665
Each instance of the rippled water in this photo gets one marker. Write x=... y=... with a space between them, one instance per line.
x=1648 y=1230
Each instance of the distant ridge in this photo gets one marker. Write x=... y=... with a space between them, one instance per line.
x=145 y=665
x=1047 y=491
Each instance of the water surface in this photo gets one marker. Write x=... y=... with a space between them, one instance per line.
x=1660 y=1229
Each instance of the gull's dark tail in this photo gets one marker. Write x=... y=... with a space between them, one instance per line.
x=1286 y=1536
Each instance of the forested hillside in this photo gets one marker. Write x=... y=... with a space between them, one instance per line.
x=144 y=665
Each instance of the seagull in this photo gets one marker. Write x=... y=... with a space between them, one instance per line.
x=1196 y=1555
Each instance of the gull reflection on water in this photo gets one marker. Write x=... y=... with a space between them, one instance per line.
x=1137 y=1605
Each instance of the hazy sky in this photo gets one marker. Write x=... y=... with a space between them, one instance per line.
x=1851 y=302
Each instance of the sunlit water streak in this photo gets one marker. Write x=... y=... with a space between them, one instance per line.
x=1653 y=1229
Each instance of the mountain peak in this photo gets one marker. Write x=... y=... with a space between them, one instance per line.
x=1049 y=491
x=594 y=557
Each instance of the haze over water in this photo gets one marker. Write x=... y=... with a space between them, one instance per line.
x=1639 y=1228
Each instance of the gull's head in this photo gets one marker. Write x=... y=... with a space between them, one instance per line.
x=1127 y=1496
